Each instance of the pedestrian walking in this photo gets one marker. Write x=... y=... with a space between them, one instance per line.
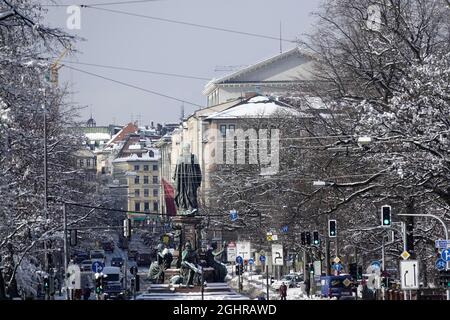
x=283 y=291
x=307 y=287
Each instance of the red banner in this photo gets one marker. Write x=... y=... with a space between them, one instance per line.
x=169 y=195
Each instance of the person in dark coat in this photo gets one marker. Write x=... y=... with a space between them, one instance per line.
x=307 y=286
x=283 y=291
x=87 y=292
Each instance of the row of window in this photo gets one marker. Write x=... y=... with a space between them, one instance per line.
x=223 y=128
x=137 y=206
x=88 y=162
x=137 y=179
x=137 y=192
x=145 y=167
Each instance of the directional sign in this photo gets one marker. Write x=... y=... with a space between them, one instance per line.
x=239 y=260
x=409 y=274
x=373 y=270
x=97 y=267
x=440 y=264
x=337 y=266
x=262 y=259
x=251 y=261
x=233 y=215
x=284 y=229
x=445 y=255
x=405 y=255
x=277 y=255
x=442 y=244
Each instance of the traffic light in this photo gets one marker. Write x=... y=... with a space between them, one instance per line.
x=303 y=238
x=99 y=285
x=239 y=269
x=316 y=240
x=332 y=233
x=127 y=228
x=46 y=283
x=444 y=278
x=73 y=237
x=137 y=282
x=308 y=238
x=386 y=216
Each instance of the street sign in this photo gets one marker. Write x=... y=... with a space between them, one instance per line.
x=336 y=260
x=374 y=270
x=317 y=267
x=239 y=260
x=347 y=282
x=262 y=259
x=274 y=237
x=243 y=249
x=440 y=264
x=233 y=215
x=405 y=255
x=251 y=261
x=231 y=252
x=442 y=244
x=277 y=255
x=409 y=274
x=284 y=229
x=97 y=267
x=269 y=236
x=337 y=266
x=445 y=255
x=375 y=264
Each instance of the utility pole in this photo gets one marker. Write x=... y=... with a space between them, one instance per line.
x=267 y=281
x=65 y=251
x=46 y=260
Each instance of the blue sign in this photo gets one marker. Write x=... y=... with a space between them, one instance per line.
x=239 y=260
x=262 y=259
x=233 y=215
x=284 y=229
x=337 y=266
x=251 y=261
x=97 y=267
x=442 y=244
x=445 y=254
x=375 y=264
x=440 y=264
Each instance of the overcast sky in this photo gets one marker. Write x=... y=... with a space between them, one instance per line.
x=139 y=43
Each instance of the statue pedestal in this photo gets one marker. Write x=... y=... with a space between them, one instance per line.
x=190 y=227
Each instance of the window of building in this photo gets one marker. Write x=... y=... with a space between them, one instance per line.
x=81 y=162
x=137 y=206
x=155 y=167
x=145 y=179
x=88 y=162
x=146 y=193
x=136 y=168
x=155 y=206
x=155 y=179
x=223 y=130
x=155 y=192
x=137 y=192
x=151 y=154
x=136 y=180
x=95 y=162
x=231 y=127
x=146 y=206
x=103 y=170
x=146 y=167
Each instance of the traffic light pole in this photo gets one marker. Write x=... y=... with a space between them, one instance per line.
x=66 y=281
x=443 y=225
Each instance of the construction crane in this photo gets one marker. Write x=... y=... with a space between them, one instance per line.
x=52 y=77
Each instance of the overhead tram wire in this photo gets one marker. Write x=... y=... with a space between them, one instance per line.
x=190 y=24
x=138 y=70
x=133 y=86
x=102 y=4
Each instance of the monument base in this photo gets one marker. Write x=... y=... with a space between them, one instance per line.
x=189 y=227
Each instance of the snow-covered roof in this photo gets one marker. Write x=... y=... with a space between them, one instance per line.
x=93 y=136
x=259 y=106
x=144 y=157
x=230 y=77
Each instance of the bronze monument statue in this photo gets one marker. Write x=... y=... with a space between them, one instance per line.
x=189 y=270
x=163 y=261
x=188 y=177
x=220 y=270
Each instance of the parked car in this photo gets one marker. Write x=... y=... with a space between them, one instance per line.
x=108 y=246
x=86 y=265
x=98 y=255
x=144 y=259
x=117 y=262
x=290 y=280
